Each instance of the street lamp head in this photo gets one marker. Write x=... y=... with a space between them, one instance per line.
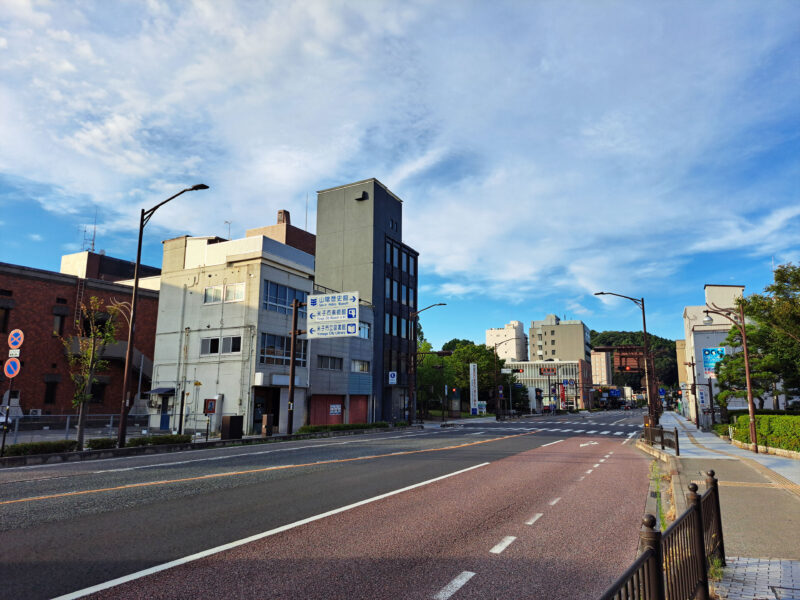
x=199 y=186
x=707 y=320
x=599 y=293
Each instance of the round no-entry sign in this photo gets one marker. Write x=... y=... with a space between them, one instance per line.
x=11 y=368
x=15 y=338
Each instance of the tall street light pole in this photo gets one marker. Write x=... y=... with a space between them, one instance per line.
x=143 y=220
x=693 y=364
x=496 y=387
x=411 y=367
x=737 y=320
x=651 y=409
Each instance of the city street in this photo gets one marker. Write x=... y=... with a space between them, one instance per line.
x=539 y=507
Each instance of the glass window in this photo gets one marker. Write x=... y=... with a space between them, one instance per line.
x=50 y=392
x=553 y=353
x=276 y=350
x=98 y=393
x=232 y=344
x=388 y=253
x=329 y=363
x=552 y=342
x=404 y=294
x=209 y=346
x=395 y=256
x=394 y=291
x=363 y=330
x=411 y=265
x=212 y=294
x=234 y=292
x=388 y=327
x=58 y=324
x=403 y=328
x=279 y=298
x=388 y=288
x=359 y=366
x=411 y=302
x=394 y=324
x=404 y=265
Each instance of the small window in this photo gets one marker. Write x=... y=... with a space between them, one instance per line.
x=50 y=392
x=552 y=342
x=411 y=301
x=329 y=363
x=232 y=344
x=394 y=325
x=404 y=265
x=234 y=292
x=212 y=295
x=209 y=346
x=395 y=295
x=403 y=328
x=58 y=325
x=395 y=256
x=553 y=353
x=412 y=265
x=552 y=332
x=6 y=293
x=388 y=253
x=61 y=300
x=363 y=330
x=540 y=336
x=98 y=393
x=359 y=366
x=387 y=326
x=5 y=313
x=404 y=294
x=388 y=288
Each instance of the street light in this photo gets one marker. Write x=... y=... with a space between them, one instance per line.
x=143 y=220
x=411 y=407
x=496 y=388
x=738 y=322
x=651 y=409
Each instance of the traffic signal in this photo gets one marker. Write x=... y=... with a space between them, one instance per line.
x=516 y=370
x=539 y=393
x=627 y=367
x=680 y=393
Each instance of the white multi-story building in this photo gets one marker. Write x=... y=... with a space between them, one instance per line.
x=554 y=339
x=602 y=368
x=511 y=341
x=564 y=383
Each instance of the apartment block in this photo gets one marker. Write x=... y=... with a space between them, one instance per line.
x=554 y=339
x=510 y=341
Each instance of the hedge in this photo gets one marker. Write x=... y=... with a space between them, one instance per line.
x=157 y=440
x=775 y=431
x=52 y=447
x=734 y=414
x=321 y=428
x=101 y=443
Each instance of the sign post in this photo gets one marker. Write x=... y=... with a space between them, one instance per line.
x=473 y=388
x=11 y=368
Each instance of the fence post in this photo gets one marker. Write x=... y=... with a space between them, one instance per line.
x=661 y=432
x=650 y=537
x=713 y=484
x=66 y=429
x=677 y=444
x=698 y=543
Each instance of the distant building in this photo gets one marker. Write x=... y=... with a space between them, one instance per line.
x=511 y=340
x=45 y=305
x=286 y=233
x=554 y=339
x=565 y=384
x=602 y=368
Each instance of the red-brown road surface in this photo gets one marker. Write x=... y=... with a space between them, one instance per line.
x=435 y=541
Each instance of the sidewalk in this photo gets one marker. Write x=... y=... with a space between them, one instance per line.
x=760 y=504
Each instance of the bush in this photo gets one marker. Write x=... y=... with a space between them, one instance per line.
x=101 y=443
x=158 y=440
x=735 y=414
x=41 y=448
x=321 y=428
x=721 y=429
x=775 y=431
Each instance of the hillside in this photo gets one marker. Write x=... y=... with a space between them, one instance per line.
x=663 y=351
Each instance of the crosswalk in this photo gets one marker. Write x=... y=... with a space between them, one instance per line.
x=627 y=429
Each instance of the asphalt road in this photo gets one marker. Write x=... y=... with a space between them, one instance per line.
x=67 y=527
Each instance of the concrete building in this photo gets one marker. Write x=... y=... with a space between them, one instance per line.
x=565 y=384
x=602 y=368
x=359 y=247
x=45 y=305
x=511 y=341
x=554 y=339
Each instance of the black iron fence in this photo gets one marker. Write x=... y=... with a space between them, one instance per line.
x=664 y=437
x=674 y=564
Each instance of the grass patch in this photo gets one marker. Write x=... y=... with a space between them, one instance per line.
x=655 y=478
x=715 y=569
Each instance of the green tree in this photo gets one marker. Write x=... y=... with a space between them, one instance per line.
x=455 y=343
x=664 y=359
x=94 y=332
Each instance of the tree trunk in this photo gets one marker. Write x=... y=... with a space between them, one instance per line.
x=81 y=424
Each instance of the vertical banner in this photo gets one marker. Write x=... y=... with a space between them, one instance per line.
x=711 y=356
x=473 y=388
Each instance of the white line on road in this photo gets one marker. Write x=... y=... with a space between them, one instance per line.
x=455 y=585
x=607 y=455
x=534 y=518
x=592 y=431
x=566 y=430
x=620 y=421
x=589 y=471
x=579 y=430
x=611 y=452
x=581 y=477
x=602 y=460
x=619 y=433
x=211 y=551
x=554 y=502
x=551 y=443
x=605 y=432
x=502 y=544
x=476 y=433
x=596 y=465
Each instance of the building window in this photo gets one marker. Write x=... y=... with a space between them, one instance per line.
x=395 y=295
x=553 y=352
x=404 y=294
x=329 y=363
x=5 y=313
x=359 y=366
x=552 y=332
x=387 y=326
x=279 y=298
x=552 y=342
x=98 y=393
x=388 y=253
x=394 y=324
x=50 y=392
x=388 y=288
x=403 y=328
x=212 y=295
x=411 y=301
x=58 y=325
x=232 y=344
x=540 y=336
x=276 y=350
x=411 y=265
x=234 y=292
x=404 y=265
x=363 y=330
x=395 y=256
x=209 y=346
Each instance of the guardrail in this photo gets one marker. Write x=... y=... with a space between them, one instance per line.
x=664 y=437
x=674 y=565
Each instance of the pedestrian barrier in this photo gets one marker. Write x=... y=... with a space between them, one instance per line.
x=666 y=438
x=674 y=564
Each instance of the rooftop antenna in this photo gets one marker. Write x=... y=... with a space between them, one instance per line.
x=94 y=229
x=229 y=229
x=307 y=213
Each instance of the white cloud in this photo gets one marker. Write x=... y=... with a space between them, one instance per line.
x=35 y=237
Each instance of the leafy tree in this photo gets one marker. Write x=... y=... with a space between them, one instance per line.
x=664 y=359
x=94 y=331
x=455 y=343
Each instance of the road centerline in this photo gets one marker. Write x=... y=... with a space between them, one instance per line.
x=503 y=544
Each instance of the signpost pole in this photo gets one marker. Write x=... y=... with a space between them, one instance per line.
x=290 y=412
x=5 y=419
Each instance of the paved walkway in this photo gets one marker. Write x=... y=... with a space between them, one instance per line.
x=760 y=503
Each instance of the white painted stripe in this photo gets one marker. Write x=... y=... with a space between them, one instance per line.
x=503 y=544
x=602 y=460
x=608 y=455
x=605 y=432
x=566 y=430
x=619 y=433
x=589 y=471
x=611 y=452
x=554 y=502
x=550 y=444
x=592 y=431
x=579 y=430
x=211 y=551
x=534 y=518
x=581 y=477
x=455 y=585
x=476 y=433
x=596 y=465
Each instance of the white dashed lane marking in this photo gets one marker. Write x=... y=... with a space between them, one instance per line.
x=554 y=502
x=534 y=518
x=503 y=544
x=455 y=585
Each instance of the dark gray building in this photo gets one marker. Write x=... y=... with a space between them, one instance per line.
x=359 y=247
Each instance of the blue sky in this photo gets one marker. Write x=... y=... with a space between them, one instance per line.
x=543 y=150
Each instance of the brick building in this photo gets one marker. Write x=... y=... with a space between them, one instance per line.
x=44 y=305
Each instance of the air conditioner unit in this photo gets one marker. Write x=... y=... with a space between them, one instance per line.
x=35 y=412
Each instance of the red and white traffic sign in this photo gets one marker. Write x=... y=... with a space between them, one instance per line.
x=12 y=368
x=15 y=338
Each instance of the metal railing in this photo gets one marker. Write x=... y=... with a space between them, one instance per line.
x=666 y=438
x=674 y=564
x=43 y=428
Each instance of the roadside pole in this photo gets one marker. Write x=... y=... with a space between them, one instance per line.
x=7 y=407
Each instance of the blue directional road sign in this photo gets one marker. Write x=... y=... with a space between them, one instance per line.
x=11 y=368
x=332 y=315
